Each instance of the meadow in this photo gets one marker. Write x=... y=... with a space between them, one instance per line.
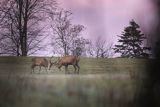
x=113 y=82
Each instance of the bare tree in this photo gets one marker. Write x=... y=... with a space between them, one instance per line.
x=21 y=25
x=66 y=36
x=79 y=47
x=100 y=49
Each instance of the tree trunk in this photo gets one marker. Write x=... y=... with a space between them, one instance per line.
x=20 y=3
x=25 y=30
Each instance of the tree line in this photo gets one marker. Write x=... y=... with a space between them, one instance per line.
x=23 y=25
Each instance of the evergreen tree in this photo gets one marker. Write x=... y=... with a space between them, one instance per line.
x=131 y=42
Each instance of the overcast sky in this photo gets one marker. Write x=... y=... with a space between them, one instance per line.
x=108 y=18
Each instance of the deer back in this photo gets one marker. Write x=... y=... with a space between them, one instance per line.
x=39 y=61
x=68 y=60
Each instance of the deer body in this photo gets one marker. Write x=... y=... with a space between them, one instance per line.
x=69 y=60
x=41 y=62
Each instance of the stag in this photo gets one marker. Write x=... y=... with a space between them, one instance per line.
x=68 y=60
x=41 y=62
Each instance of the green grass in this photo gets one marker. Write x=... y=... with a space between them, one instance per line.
x=87 y=65
x=101 y=83
x=62 y=91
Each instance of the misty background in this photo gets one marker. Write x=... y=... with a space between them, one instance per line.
x=107 y=18
x=101 y=20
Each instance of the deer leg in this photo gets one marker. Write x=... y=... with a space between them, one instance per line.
x=74 y=68
x=46 y=70
x=66 y=69
x=39 y=69
x=32 y=69
x=59 y=68
x=78 y=68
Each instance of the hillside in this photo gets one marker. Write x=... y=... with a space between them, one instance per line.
x=101 y=83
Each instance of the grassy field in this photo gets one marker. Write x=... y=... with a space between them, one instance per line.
x=87 y=66
x=101 y=83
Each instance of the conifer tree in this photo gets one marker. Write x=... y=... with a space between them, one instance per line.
x=131 y=42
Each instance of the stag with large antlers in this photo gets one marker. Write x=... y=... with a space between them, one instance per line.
x=41 y=62
x=68 y=60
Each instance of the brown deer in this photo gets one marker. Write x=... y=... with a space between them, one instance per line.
x=41 y=62
x=68 y=60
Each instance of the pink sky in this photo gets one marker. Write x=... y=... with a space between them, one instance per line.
x=108 y=18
